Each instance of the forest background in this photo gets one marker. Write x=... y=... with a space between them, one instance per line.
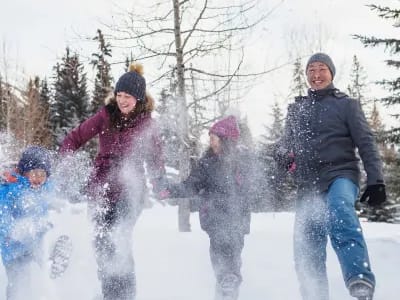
x=202 y=59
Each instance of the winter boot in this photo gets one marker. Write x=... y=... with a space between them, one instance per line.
x=361 y=289
x=119 y=287
x=229 y=287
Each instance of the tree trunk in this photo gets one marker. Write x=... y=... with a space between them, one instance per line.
x=184 y=204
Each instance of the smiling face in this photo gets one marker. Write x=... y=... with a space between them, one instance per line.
x=318 y=75
x=36 y=177
x=126 y=102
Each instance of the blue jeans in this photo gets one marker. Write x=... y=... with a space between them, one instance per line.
x=317 y=217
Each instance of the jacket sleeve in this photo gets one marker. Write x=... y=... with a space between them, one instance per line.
x=5 y=212
x=192 y=185
x=83 y=133
x=284 y=146
x=365 y=142
x=154 y=154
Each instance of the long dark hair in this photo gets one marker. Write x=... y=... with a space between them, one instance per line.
x=117 y=120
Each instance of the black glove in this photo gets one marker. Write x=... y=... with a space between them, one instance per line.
x=374 y=194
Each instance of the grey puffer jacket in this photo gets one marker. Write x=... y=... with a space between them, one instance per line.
x=323 y=131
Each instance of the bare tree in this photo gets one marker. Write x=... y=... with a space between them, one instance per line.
x=184 y=37
x=35 y=117
x=10 y=95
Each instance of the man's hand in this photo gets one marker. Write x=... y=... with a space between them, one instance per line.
x=374 y=194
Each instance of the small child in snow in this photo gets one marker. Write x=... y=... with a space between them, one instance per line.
x=23 y=221
x=224 y=180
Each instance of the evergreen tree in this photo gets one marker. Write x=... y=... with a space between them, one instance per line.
x=299 y=83
x=278 y=187
x=357 y=84
x=102 y=82
x=393 y=46
x=44 y=102
x=70 y=103
x=388 y=211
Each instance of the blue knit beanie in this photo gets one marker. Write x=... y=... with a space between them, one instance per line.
x=133 y=84
x=324 y=58
x=35 y=157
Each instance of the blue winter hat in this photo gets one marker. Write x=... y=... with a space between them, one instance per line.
x=325 y=59
x=35 y=157
x=132 y=83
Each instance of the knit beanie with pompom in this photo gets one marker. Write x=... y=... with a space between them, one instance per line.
x=132 y=83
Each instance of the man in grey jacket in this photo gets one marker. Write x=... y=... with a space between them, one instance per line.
x=323 y=131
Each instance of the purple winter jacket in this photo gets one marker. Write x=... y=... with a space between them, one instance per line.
x=136 y=143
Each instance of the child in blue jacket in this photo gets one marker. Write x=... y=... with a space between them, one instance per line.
x=23 y=218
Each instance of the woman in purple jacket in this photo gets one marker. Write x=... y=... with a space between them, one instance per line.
x=128 y=138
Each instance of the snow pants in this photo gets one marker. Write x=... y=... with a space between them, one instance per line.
x=19 y=278
x=225 y=253
x=114 y=224
x=329 y=214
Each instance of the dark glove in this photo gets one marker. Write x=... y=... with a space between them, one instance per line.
x=374 y=194
x=286 y=161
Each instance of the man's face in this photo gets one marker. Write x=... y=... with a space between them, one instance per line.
x=36 y=177
x=318 y=75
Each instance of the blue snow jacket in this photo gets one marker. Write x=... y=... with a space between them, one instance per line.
x=23 y=218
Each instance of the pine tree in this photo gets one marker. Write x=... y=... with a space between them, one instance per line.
x=393 y=46
x=70 y=103
x=357 y=85
x=279 y=185
x=44 y=102
x=102 y=82
x=387 y=212
x=299 y=83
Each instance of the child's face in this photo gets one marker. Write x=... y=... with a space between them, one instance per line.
x=215 y=143
x=36 y=177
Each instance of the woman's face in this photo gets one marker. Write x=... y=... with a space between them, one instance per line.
x=126 y=102
x=215 y=143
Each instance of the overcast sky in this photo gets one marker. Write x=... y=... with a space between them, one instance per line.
x=34 y=35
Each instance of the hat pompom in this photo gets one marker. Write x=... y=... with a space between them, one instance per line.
x=136 y=67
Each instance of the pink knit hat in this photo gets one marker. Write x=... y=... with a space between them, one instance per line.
x=226 y=128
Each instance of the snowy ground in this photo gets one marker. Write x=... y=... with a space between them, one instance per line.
x=175 y=266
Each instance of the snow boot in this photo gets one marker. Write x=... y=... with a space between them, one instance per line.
x=361 y=289
x=228 y=288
